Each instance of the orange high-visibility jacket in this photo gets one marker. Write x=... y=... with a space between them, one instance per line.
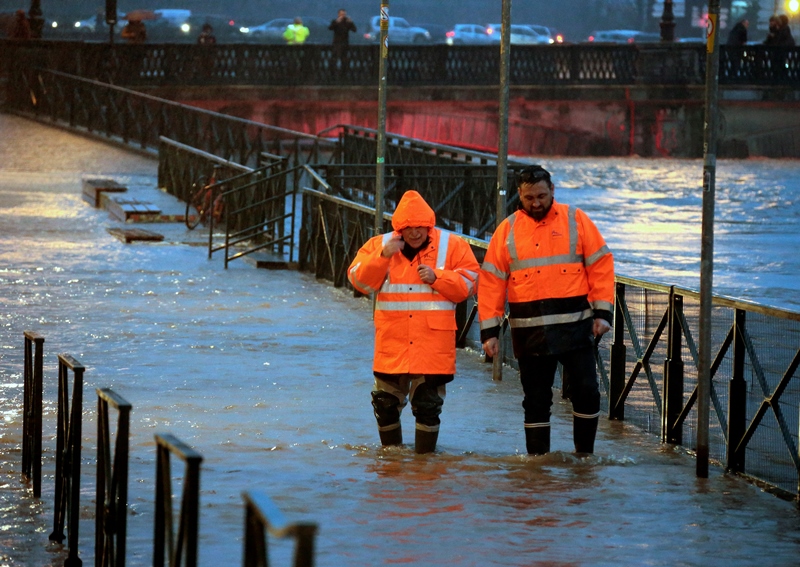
x=415 y=322
x=558 y=276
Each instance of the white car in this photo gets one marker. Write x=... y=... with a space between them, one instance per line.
x=470 y=34
x=400 y=31
x=523 y=35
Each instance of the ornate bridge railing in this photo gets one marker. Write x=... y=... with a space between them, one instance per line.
x=409 y=65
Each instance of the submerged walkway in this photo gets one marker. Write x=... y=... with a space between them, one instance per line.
x=267 y=375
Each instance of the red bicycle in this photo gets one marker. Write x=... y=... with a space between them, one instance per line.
x=205 y=201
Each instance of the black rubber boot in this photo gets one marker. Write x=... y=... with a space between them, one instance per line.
x=537 y=440
x=584 y=430
x=425 y=441
x=392 y=436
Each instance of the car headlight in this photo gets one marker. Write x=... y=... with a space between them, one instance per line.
x=244 y=30
x=186 y=28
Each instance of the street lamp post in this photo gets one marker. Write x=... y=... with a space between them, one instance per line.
x=35 y=18
x=380 y=172
x=667 y=22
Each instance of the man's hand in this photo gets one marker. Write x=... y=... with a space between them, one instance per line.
x=426 y=274
x=393 y=246
x=491 y=347
x=601 y=327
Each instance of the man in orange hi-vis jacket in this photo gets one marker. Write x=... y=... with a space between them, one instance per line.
x=419 y=274
x=552 y=265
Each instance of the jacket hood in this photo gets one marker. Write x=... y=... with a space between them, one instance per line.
x=412 y=210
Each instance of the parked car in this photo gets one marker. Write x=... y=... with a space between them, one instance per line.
x=438 y=32
x=521 y=34
x=272 y=31
x=622 y=36
x=400 y=32
x=470 y=34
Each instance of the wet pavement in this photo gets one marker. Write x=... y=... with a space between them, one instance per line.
x=267 y=375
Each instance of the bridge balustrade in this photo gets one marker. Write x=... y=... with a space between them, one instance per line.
x=408 y=65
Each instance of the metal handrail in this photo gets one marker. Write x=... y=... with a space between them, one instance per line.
x=111 y=495
x=263 y=518
x=32 y=410
x=181 y=547
x=68 y=457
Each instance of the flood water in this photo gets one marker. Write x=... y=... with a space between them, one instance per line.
x=267 y=375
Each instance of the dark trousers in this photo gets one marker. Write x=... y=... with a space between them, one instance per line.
x=580 y=383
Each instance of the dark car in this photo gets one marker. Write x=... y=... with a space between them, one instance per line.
x=438 y=32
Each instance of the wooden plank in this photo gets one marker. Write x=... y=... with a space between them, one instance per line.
x=128 y=235
x=94 y=187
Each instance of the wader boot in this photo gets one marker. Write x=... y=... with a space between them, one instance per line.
x=425 y=441
x=537 y=438
x=584 y=429
x=393 y=436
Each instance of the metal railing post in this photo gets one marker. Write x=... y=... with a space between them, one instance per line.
x=181 y=547
x=673 y=374
x=737 y=397
x=68 y=457
x=32 y=410
x=616 y=378
x=264 y=519
x=111 y=496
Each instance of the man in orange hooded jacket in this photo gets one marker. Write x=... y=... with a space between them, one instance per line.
x=553 y=266
x=419 y=274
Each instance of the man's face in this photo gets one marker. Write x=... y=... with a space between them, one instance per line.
x=536 y=198
x=415 y=236
x=342 y=14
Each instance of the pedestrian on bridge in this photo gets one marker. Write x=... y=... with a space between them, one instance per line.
x=551 y=264
x=419 y=274
x=296 y=33
x=341 y=27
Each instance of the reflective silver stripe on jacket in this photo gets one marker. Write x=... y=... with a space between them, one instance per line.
x=492 y=269
x=470 y=282
x=444 y=241
x=414 y=306
x=409 y=288
x=543 y=320
x=603 y=305
x=406 y=288
x=493 y=322
x=357 y=283
x=571 y=258
x=602 y=251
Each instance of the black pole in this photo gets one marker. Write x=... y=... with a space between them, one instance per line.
x=667 y=22
x=707 y=237
x=35 y=19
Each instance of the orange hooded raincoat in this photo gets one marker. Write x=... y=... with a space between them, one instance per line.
x=415 y=323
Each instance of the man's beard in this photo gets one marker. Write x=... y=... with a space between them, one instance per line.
x=540 y=214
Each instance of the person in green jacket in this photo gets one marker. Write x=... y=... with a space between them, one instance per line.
x=296 y=33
